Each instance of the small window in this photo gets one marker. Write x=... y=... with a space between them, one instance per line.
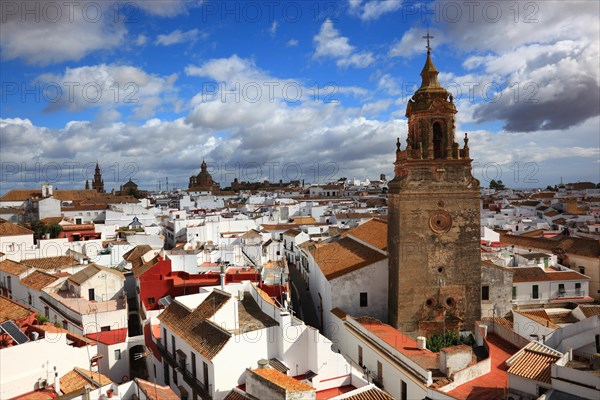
x=404 y=392
x=30 y=299
x=514 y=293
x=65 y=324
x=105 y=328
x=360 y=356
x=150 y=300
x=535 y=292
x=363 y=299
x=578 y=285
x=46 y=312
x=582 y=270
x=485 y=292
x=117 y=354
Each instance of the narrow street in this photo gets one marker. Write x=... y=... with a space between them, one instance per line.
x=301 y=299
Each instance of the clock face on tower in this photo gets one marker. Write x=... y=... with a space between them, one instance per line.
x=440 y=221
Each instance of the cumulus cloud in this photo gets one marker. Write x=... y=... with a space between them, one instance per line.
x=330 y=44
x=178 y=36
x=292 y=43
x=109 y=87
x=373 y=9
x=57 y=31
x=412 y=42
x=167 y=8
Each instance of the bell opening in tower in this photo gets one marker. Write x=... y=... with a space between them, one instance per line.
x=437 y=140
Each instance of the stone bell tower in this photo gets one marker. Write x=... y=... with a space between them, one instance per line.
x=433 y=225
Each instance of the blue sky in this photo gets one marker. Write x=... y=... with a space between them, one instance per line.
x=262 y=90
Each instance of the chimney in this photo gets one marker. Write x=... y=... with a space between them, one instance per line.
x=263 y=364
x=222 y=275
x=421 y=342
x=57 y=383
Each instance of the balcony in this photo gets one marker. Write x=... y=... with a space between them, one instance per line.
x=202 y=389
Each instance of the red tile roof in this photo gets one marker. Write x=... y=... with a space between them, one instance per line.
x=537 y=274
x=343 y=256
x=156 y=392
x=9 y=229
x=12 y=267
x=59 y=262
x=373 y=232
x=283 y=381
x=194 y=328
x=38 y=280
x=13 y=311
x=534 y=365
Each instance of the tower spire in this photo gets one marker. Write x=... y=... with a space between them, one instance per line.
x=428 y=36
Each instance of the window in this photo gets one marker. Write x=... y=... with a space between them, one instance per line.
x=105 y=328
x=404 y=392
x=30 y=299
x=174 y=376
x=535 y=292
x=194 y=364
x=577 y=289
x=165 y=337
x=65 y=324
x=173 y=346
x=117 y=354
x=46 y=312
x=380 y=374
x=150 y=300
x=8 y=284
x=561 y=289
x=485 y=292
x=581 y=270
x=363 y=299
x=166 y=370
x=514 y=293
x=360 y=356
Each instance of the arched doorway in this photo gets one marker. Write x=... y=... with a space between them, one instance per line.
x=437 y=140
x=137 y=362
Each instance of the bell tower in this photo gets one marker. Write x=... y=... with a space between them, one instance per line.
x=433 y=224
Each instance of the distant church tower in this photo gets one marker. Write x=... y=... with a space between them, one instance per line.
x=433 y=226
x=98 y=182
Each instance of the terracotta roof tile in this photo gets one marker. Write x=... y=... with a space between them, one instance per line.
x=59 y=262
x=569 y=244
x=20 y=194
x=92 y=270
x=534 y=365
x=135 y=255
x=281 y=380
x=156 y=392
x=370 y=394
x=13 y=311
x=7 y=228
x=590 y=310
x=12 y=267
x=539 y=319
x=344 y=256
x=235 y=395
x=537 y=274
x=373 y=232
x=194 y=328
x=78 y=378
x=38 y=280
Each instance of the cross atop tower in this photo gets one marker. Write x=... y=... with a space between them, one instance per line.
x=428 y=36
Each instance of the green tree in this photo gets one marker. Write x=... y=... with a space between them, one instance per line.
x=497 y=185
x=39 y=229
x=54 y=230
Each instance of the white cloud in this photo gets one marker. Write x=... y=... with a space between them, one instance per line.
x=141 y=40
x=273 y=28
x=69 y=33
x=109 y=87
x=330 y=44
x=167 y=8
x=373 y=9
x=178 y=36
x=292 y=43
x=412 y=42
